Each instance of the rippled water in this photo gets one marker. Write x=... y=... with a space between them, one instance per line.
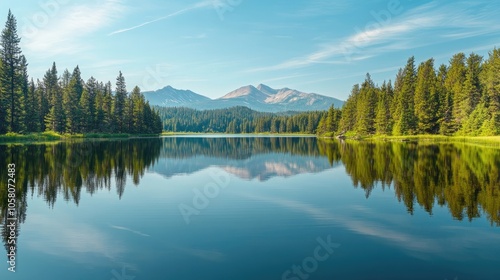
x=252 y=208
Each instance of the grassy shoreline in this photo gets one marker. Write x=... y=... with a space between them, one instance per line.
x=52 y=136
x=489 y=140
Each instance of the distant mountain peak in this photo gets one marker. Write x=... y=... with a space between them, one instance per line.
x=261 y=98
x=172 y=97
x=267 y=89
x=245 y=92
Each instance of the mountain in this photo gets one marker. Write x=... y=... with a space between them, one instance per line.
x=261 y=166
x=171 y=97
x=261 y=98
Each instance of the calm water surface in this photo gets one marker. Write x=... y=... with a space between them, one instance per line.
x=252 y=208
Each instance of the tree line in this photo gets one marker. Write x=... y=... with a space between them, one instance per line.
x=462 y=98
x=238 y=120
x=65 y=104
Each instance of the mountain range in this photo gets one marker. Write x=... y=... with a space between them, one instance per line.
x=261 y=98
x=261 y=166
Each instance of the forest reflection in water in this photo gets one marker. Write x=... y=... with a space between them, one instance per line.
x=464 y=178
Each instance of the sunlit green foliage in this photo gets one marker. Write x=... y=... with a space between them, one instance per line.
x=460 y=99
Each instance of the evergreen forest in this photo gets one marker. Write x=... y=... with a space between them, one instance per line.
x=65 y=104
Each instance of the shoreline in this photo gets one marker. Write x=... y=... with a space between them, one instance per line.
x=489 y=140
x=51 y=136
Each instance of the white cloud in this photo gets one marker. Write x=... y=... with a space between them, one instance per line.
x=129 y=230
x=422 y=26
x=66 y=238
x=64 y=31
x=392 y=231
x=199 y=5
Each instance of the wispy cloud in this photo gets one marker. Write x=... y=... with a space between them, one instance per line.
x=421 y=246
x=129 y=230
x=65 y=31
x=410 y=30
x=69 y=239
x=199 y=5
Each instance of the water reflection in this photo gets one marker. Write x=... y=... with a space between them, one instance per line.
x=248 y=158
x=464 y=178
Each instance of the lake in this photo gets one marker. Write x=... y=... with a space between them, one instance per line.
x=240 y=207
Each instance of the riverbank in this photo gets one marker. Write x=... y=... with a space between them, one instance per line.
x=486 y=140
x=53 y=136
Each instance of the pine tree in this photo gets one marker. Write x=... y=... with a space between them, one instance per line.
x=148 y=118
x=396 y=100
x=42 y=102
x=349 y=115
x=107 y=106
x=491 y=81
x=329 y=121
x=32 y=109
x=443 y=112
x=71 y=101
x=65 y=78
x=10 y=76
x=87 y=106
x=383 y=112
x=366 y=107
x=454 y=84
x=405 y=124
x=472 y=84
x=99 y=107
x=426 y=99
x=119 y=104
x=3 y=106
x=54 y=118
x=138 y=103
x=24 y=92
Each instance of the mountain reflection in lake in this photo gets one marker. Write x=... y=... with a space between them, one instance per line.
x=461 y=178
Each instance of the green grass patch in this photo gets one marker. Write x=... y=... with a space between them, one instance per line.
x=32 y=137
x=53 y=136
x=480 y=140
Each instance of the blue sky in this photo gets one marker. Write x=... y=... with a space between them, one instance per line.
x=215 y=46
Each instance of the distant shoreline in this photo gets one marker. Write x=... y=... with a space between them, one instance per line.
x=51 y=136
